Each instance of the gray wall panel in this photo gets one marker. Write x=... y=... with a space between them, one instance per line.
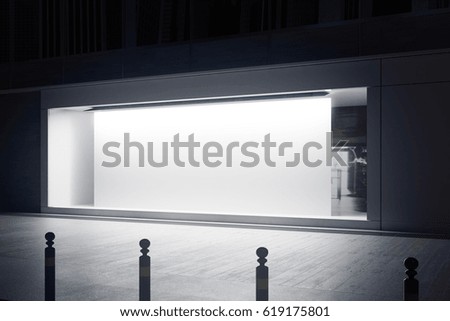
x=416 y=69
x=20 y=152
x=415 y=151
x=144 y=61
x=213 y=84
x=93 y=67
x=5 y=76
x=374 y=154
x=229 y=53
x=37 y=73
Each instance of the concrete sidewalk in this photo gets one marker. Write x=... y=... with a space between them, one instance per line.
x=98 y=260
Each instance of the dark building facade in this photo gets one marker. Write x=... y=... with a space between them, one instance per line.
x=323 y=29
x=61 y=54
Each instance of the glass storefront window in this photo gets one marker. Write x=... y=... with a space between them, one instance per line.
x=263 y=157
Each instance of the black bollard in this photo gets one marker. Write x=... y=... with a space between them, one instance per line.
x=262 y=275
x=50 y=267
x=144 y=271
x=410 y=284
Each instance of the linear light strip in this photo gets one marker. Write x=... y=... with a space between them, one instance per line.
x=160 y=103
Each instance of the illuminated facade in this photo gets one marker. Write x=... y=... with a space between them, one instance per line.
x=385 y=90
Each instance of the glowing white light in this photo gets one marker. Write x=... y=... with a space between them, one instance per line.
x=76 y=177
x=262 y=190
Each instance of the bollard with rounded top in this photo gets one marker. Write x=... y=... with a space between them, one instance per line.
x=410 y=284
x=262 y=275
x=144 y=271
x=50 y=267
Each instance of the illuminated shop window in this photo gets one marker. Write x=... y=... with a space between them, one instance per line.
x=261 y=157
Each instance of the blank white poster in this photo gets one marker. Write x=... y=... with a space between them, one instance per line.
x=125 y=176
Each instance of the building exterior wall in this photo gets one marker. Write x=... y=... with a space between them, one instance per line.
x=403 y=62
x=398 y=109
x=366 y=36
x=415 y=117
x=20 y=152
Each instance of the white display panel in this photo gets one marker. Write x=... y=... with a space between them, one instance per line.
x=70 y=158
x=299 y=191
